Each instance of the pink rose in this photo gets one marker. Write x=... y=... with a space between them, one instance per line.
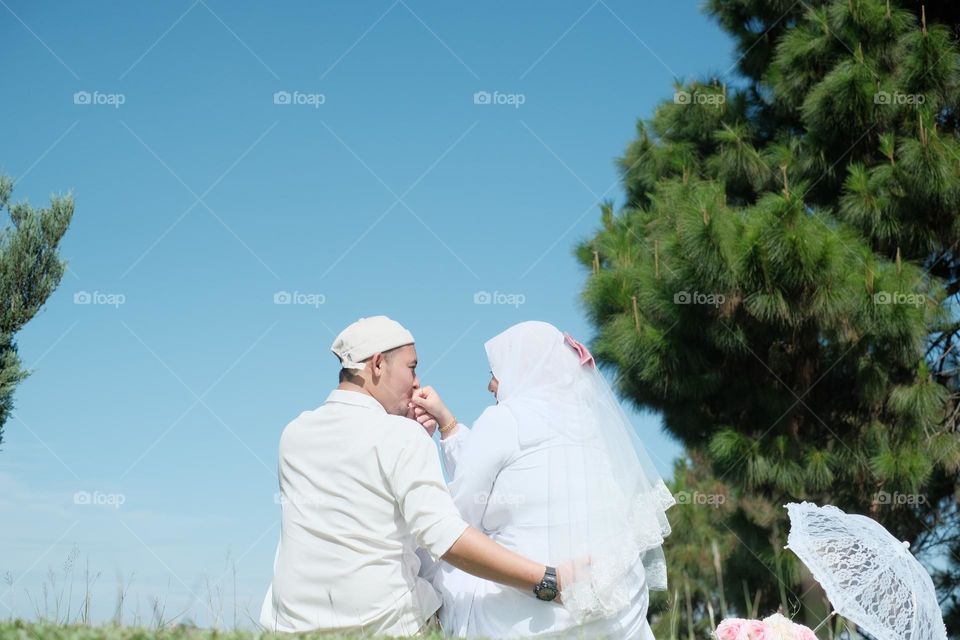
x=730 y=629
x=756 y=630
x=803 y=633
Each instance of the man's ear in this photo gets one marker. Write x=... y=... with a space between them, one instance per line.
x=376 y=364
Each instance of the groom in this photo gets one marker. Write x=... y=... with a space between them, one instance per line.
x=361 y=489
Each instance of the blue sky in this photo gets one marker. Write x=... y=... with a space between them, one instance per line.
x=382 y=181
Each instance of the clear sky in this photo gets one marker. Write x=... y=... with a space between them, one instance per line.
x=251 y=177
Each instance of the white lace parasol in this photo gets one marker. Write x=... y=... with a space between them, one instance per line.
x=870 y=577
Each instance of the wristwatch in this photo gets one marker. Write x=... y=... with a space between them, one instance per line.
x=547 y=589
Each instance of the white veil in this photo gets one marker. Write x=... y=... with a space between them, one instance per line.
x=606 y=501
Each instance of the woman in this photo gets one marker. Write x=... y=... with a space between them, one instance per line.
x=553 y=467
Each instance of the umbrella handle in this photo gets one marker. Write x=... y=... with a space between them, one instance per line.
x=824 y=621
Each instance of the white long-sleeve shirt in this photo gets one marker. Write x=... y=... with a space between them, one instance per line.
x=360 y=491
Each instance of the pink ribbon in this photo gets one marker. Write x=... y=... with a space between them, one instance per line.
x=586 y=358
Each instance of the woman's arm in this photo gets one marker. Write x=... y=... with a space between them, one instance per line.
x=477 y=455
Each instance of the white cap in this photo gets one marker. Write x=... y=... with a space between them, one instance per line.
x=366 y=337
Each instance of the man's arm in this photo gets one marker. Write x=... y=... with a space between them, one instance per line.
x=426 y=506
x=477 y=554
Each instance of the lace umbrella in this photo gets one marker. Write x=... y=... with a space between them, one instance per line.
x=870 y=577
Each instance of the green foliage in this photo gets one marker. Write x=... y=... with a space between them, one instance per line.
x=30 y=270
x=781 y=283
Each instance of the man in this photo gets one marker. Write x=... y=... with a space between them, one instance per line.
x=361 y=489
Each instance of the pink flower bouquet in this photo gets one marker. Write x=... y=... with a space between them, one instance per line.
x=775 y=627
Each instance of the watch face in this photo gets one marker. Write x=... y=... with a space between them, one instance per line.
x=546 y=593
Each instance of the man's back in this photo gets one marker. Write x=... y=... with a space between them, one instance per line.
x=360 y=490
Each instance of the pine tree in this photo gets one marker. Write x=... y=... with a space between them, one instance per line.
x=698 y=547
x=781 y=283
x=30 y=270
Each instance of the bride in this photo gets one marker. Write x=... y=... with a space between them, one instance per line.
x=554 y=470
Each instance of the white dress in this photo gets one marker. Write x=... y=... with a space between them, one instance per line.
x=500 y=487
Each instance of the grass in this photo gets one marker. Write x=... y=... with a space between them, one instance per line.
x=61 y=609
x=21 y=630
x=60 y=601
x=63 y=613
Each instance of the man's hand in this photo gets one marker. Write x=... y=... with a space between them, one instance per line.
x=429 y=408
x=572 y=571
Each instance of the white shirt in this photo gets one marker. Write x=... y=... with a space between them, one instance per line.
x=360 y=491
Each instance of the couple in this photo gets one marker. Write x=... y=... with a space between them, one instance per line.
x=550 y=494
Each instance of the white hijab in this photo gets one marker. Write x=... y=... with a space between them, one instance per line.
x=610 y=501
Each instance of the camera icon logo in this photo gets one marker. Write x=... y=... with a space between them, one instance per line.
x=282 y=297
x=82 y=297
x=681 y=297
x=482 y=297
x=81 y=97
x=481 y=97
x=882 y=97
x=281 y=97
x=882 y=297
x=81 y=497
x=682 y=97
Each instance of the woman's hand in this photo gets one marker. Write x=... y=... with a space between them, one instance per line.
x=426 y=420
x=429 y=409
